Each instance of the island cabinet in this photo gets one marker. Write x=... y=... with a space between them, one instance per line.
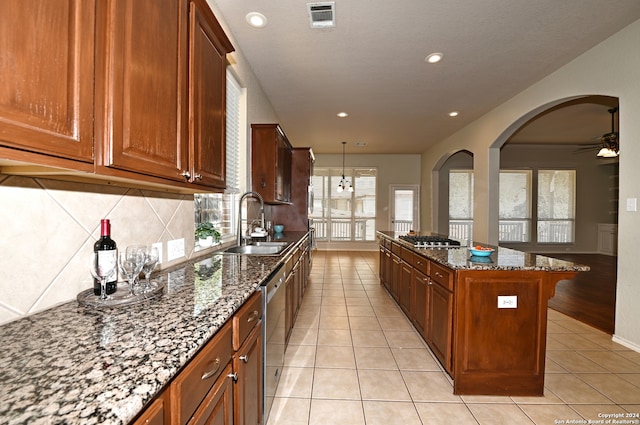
x=487 y=327
x=46 y=92
x=160 y=88
x=271 y=163
x=500 y=324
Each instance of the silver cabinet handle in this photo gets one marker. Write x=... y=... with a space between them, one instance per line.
x=186 y=174
x=212 y=372
x=197 y=176
x=438 y=274
x=244 y=359
x=233 y=376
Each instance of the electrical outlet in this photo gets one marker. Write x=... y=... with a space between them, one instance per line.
x=175 y=249
x=158 y=246
x=507 y=301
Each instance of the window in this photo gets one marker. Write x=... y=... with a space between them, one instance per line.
x=556 y=206
x=344 y=216
x=221 y=208
x=515 y=206
x=461 y=204
x=553 y=204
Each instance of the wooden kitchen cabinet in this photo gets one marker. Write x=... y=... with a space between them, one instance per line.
x=296 y=214
x=153 y=415
x=208 y=47
x=420 y=316
x=141 y=88
x=440 y=322
x=271 y=163
x=46 y=92
x=205 y=388
x=247 y=364
x=405 y=285
x=159 y=69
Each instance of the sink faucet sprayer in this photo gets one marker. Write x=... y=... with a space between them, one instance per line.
x=242 y=198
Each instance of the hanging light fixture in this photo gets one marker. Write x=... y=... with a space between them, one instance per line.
x=344 y=182
x=610 y=143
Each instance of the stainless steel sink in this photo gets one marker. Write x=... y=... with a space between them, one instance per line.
x=258 y=248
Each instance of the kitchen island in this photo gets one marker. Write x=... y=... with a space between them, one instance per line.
x=73 y=364
x=484 y=318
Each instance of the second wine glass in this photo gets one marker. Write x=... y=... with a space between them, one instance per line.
x=130 y=262
x=150 y=260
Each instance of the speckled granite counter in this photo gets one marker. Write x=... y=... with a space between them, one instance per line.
x=80 y=365
x=501 y=259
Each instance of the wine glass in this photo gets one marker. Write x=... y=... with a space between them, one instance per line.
x=103 y=270
x=150 y=260
x=131 y=261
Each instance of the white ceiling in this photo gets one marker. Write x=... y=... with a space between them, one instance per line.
x=372 y=66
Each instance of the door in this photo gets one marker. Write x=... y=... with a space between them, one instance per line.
x=404 y=204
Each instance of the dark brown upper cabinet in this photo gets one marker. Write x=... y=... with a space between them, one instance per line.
x=271 y=163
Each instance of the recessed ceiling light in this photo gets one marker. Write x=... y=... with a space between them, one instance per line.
x=453 y=114
x=342 y=114
x=433 y=58
x=361 y=144
x=256 y=20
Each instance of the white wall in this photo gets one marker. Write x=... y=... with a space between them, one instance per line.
x=610 y=68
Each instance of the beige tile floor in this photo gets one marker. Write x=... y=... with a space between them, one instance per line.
x=353 y=358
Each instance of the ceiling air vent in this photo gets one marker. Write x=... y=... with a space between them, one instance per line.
x=322 y=15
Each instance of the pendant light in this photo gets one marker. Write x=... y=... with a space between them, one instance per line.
x=344 y=182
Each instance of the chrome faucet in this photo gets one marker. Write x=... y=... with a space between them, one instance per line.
x=242 y=198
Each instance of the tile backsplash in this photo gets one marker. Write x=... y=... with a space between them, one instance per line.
x=48 y=228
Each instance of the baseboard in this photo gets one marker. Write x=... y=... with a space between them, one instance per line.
x=631 y=345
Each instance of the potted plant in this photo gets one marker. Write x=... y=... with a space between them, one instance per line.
x=207 y=234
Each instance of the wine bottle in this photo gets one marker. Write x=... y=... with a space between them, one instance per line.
x=105 y=248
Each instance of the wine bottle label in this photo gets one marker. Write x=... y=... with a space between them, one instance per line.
x=107 y=260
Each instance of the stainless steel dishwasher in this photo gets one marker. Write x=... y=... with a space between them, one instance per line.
x=273 y=338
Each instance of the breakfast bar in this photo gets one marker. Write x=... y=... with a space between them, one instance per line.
x=484 y=318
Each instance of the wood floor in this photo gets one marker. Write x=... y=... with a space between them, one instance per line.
x=591 y=296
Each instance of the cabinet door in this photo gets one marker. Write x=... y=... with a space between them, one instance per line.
x=248 y=388
x=396 y=276
x=440 y=323
x=141 y=87
x=208 y=47
x=153 y=415
x=217 y=407
x=421 y=302
x=289 y=315
x=47 y=67
x=405 y=291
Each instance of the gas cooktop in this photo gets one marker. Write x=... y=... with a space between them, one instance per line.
x=430 y=241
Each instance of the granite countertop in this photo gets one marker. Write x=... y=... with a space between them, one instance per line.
x=502 y=259
x=73 y=364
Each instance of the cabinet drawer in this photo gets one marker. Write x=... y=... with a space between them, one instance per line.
x=246 y=318
x=421 y=264
x=396 y=248
x=195 y=381
x=442 y=275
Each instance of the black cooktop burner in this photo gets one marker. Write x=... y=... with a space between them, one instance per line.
x=430 y=241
